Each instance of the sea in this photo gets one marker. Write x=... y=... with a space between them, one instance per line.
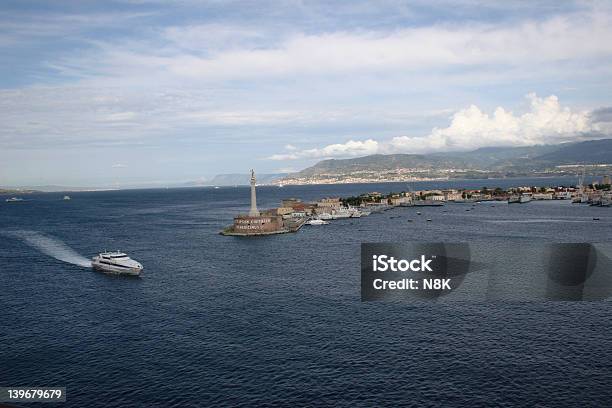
x=278 y=320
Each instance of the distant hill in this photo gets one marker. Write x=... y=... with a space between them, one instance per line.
x=380 y=162
x=589 y=152
x=524 y=158
x=243 y=179
x=486 y=157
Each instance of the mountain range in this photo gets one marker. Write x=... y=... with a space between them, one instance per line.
x=499 y=161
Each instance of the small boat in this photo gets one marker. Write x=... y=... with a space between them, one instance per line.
x=418 y=213
x=429 y=219
x=13 y=199
x=66 y=198
x=317 y=221
x=116 y=263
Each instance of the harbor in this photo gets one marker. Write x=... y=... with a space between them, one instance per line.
x=293 y=213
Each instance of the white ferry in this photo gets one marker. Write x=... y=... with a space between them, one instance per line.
x=117 y=263
x=13 y=199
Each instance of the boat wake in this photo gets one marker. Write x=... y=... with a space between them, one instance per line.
x=50 y=246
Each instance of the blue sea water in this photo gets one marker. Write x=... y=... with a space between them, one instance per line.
x=277 y=320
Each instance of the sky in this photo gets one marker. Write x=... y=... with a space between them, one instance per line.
x=115 y=93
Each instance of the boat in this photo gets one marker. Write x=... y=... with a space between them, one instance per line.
x=324 y=216
x=355 y=213
x=520 y=199
x=66 y=198
x=317 y=221
x=117 y=263
x=341 y=213
x=13 y=199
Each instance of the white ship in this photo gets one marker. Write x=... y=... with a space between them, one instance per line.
x=66 y=198
x=520 y=199
x=13 y=199
x=317 y=221
x=341 y=213
x=117 y=263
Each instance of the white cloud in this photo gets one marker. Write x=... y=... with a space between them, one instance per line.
x=351 y=148
x=545 y=122
x=287 y=170
x=213 y=36
x=214 y=52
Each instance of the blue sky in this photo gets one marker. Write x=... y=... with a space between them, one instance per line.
x=145 y=91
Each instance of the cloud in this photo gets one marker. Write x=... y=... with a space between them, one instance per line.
x=287 y=170
x=351 y=148
x=602 y=115
x=546 y=122
x=213 y=52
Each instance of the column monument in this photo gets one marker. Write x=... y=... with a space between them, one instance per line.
x=253 y=212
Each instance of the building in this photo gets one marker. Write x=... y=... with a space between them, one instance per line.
x=333 y=203
x=396 y=201
x=261 y=223
x=605 y=180
x=452 y=195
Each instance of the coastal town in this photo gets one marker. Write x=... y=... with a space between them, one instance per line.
x=293 y=213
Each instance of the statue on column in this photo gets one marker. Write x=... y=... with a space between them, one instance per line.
x=253 y=212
